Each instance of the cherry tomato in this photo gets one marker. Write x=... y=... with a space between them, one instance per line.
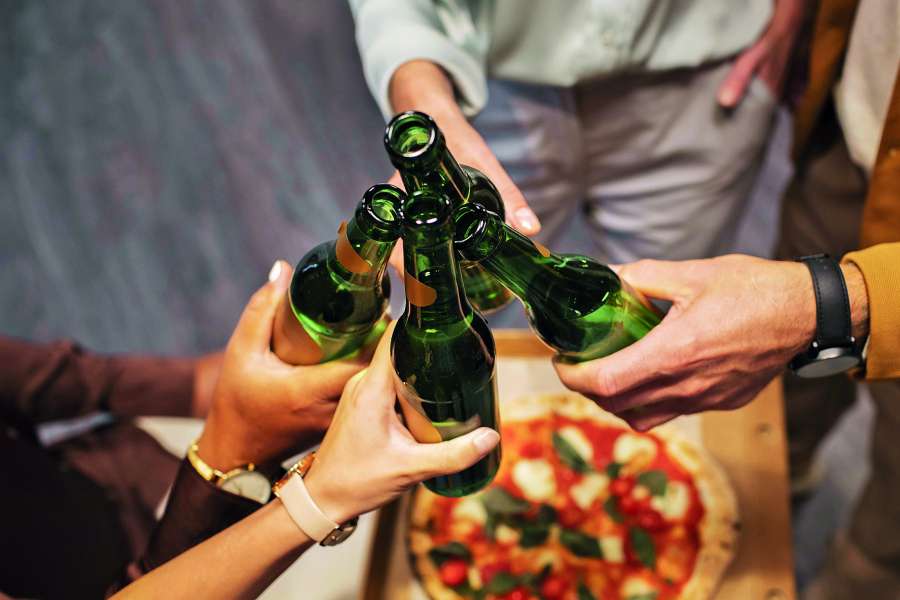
x=651 y=520
x=628 y=505
x=454 y=572
x=532 y=449
x=554 y=587
x=517 y=594
x=622 y=486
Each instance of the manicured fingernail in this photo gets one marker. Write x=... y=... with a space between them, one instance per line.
x=275 y=271
x=486 y=439
x=727 y=98
x=527 y=219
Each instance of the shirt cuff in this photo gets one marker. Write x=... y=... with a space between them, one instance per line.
x=880 y=267
x=415 y=42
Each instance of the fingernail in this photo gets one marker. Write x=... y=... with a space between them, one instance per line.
x=275 y=271
x=527 y=219
x=486 y=439
x=727 y=98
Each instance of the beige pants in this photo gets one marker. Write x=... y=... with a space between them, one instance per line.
x=657 y=168
x=821 y=213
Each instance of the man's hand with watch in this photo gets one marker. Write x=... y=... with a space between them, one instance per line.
x=735 y=323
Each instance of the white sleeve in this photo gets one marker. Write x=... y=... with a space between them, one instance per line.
x=392 y=32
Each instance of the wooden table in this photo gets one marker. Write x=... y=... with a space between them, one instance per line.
x=749 y=443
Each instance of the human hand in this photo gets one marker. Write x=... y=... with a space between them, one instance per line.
x=368 y=457
x=768 y=57
x=421 y=85
x=735 y=322
x=263 y=409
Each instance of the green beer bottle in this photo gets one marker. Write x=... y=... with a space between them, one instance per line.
x=419 y=152
x=576 y=305
x=442 y=349
x=339 y=295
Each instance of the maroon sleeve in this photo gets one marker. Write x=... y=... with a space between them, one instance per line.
x=196 y=511
x=59 y=380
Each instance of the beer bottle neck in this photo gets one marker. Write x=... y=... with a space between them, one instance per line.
x=445 y=176
x=359 y=258
x=434 y=294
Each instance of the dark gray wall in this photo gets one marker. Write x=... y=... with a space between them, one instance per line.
x=156 y=157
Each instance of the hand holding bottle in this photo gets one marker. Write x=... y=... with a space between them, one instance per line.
x=734 y=324
x=368 y=457
x=264 y=409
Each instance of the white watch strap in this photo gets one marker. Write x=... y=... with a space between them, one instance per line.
x=303 y=510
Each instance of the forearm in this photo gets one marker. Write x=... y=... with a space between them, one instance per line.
x=239 y=562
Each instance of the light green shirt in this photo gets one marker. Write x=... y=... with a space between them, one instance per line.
x=552 y=42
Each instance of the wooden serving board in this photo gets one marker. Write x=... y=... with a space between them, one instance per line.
x=749 y=443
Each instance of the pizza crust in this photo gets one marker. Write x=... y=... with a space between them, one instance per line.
x=718 y=529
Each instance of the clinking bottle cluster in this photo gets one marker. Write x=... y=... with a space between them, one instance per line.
x=460 y=260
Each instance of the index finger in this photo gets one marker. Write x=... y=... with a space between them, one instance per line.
x=379 y=376
x=630 y=367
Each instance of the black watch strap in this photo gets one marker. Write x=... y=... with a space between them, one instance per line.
x=833 y=323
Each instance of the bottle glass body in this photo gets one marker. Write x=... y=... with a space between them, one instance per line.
x=576 y=305
x=418 y=150
x=442 y=349
x=339 y=295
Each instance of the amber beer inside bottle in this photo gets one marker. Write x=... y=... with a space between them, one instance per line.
x=339 y=295
x=442 y=349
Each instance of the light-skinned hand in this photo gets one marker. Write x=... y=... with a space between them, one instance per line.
x=368 y=457
x=735 y=323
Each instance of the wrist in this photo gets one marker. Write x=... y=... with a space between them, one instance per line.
x=333 y=505
x=803 y=296
x=859 y=300
x=424 y=86
x=218 y=450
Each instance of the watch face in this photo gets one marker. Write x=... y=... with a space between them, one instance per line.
x=249 y=484
x=826 y=367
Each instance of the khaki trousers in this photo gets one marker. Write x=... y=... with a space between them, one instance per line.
x=822 y=213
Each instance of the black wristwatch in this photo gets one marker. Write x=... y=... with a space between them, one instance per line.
x=834 y=350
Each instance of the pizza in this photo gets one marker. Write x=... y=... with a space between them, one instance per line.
x=582 y=508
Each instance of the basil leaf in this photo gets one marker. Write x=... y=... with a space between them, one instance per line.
x=533 y=580
x=584 y=593
x=441 y=554
x=613 y=469
x=501 y=583
x=611 y=506
x=490 y=526
x=569 y=456
x=533 y=534
x=643 y=547
x=647 y=596
x=500 y=502
x=546 y=514
x=655 y=481
x=580 y=544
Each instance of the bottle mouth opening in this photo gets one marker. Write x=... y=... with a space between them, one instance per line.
x=469 y=225
x=410 y=134
x=383 y=203
x=425 y=209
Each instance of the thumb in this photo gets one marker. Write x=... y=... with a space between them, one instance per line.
x=452 y=456
x=741 y=74
x=661 y=279
x=254 y=329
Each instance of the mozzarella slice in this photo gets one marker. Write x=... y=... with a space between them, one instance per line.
x=535 y=478
x=634 y=450
x=589 y=489
x=471 y=509
x=674 y=504
x=506 y=535
x=578 y=441
x=636 y=586
x=613 y=549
